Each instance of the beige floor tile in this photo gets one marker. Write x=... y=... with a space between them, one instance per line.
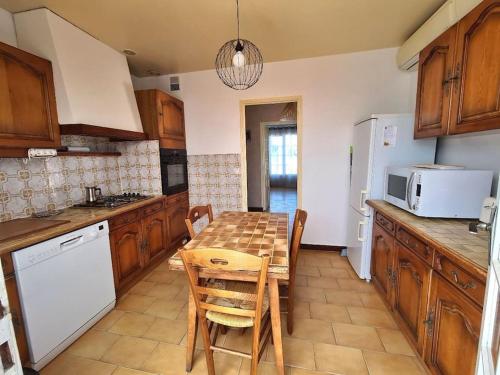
x=158 y=276
x=342 y=298
x=225 y=364
x=371 y=317
x=168 y=309
x=299 y=371
x=307 y=329
x=166 y=359
x=391 y=364
x=129 y=371
x=340 y=360
x=142 y=287
x=132 y=324
x=301 y=310
x=74 y=365
x=93 y=344
x=167 y=330
x=135 y=302
x=329 y=312
x=395 y=342
x=164 y=291
x=199 y=340
x=372 y=300
x=360 y=337
x=300 y=280
x=341 y=263
x=338 y=273
x=264 y=368
x=307 y=271
x=296 y=352
x=356 y=285
x=322 y=282
x=316 y=261
x=129 y=352
x=110 y=319
x=307 y=294
x=235 y=339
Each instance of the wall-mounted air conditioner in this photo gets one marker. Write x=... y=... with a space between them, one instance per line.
x=445 y=17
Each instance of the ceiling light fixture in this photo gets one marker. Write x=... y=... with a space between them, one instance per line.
x=239 y=61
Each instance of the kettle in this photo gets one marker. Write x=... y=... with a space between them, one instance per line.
x=92 y=194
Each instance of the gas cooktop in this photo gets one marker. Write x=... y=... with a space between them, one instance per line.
x=112 y=201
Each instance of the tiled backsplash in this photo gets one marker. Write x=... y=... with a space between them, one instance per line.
x=28 y=186
x=215 y=179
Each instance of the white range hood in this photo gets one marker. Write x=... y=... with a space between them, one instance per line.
x=92 y=80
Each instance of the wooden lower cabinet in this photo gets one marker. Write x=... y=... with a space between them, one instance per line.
x=126 y=250
x=156 y=236
x=177 y=210
x=411 y=293
x=454 y=324
x=382 y=261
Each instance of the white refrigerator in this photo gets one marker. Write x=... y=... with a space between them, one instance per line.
x=379 y=141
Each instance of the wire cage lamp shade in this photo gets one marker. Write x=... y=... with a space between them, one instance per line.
x=239 y=64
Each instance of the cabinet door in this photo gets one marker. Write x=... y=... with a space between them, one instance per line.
x=176 y=215
x=28 y=115
x=382 y=260
x=154 y=229
x=476 y=98
x=435 y=79
x=411 y=292
x=171 y=118
x=127 y=252
x=453 y=326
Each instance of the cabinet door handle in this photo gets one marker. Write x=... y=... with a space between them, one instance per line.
x=461 y=284
x=429 y=323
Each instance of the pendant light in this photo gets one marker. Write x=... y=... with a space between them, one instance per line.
x=239 y=62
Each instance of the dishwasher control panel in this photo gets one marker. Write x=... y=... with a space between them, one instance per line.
x=45 y=250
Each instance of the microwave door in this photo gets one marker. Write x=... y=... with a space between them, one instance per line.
x=410 y=192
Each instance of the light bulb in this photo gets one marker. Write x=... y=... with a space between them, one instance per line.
x=239 y=59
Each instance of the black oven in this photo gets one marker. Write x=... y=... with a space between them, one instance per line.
x=174 y=177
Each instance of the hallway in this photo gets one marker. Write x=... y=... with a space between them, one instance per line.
x=283 y=200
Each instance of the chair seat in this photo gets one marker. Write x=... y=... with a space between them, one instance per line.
x=230 y=320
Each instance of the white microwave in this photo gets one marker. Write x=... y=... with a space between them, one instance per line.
x=446 y=193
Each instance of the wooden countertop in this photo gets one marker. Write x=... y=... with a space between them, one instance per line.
x=78 y=218
x=450 y=235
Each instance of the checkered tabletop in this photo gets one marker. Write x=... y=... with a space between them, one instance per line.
x=255 y=233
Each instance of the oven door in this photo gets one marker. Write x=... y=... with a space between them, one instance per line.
x=174 y=174
x=400 y=188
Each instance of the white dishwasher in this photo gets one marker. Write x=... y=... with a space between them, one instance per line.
x=65 y=285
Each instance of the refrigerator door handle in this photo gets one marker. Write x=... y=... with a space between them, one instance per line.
x=362 y=198
x=360 y=234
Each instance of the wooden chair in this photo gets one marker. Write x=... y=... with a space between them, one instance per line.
x=196 y=213
x=288 y=289
x=239 y=304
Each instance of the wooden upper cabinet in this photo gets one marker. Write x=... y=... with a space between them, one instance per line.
x=476 y=97
x=434 y=86
x=28 y=114
x=162 y=117
x=154 y=229
x=411 y=292
x=382 y=260
x=453 y=328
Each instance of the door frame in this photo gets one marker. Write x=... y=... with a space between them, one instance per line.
x=243 y=144
x=264 y=151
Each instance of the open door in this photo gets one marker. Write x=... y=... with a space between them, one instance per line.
x=489 y=342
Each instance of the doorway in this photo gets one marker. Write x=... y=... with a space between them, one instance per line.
x=271 y=158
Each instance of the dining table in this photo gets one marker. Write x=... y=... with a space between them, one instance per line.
x=256 y=233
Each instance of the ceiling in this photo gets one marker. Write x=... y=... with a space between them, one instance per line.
x=175 y=36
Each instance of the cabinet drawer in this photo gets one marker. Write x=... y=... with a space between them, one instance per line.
x=173 y=199
x=151 y=209
x=384 y=222
x=413 y=243
x=470 y=285
x=124 y=219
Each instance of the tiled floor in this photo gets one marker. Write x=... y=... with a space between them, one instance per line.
x=283 y=200
x=341 y=327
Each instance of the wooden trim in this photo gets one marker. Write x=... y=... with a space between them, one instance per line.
x=255 y=209
x=13 y=152
x=306 y=246
x=101 y=131
x=78 y=153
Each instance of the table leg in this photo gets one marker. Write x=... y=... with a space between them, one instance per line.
x=191 y=333
x=274 y=301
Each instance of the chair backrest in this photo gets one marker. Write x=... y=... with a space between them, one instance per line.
x=229 y=262
x=299 y=223
x=196 y=213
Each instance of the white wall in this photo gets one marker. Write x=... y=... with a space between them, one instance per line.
x=92 y=80
x=7 y=30
x=336 y=90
